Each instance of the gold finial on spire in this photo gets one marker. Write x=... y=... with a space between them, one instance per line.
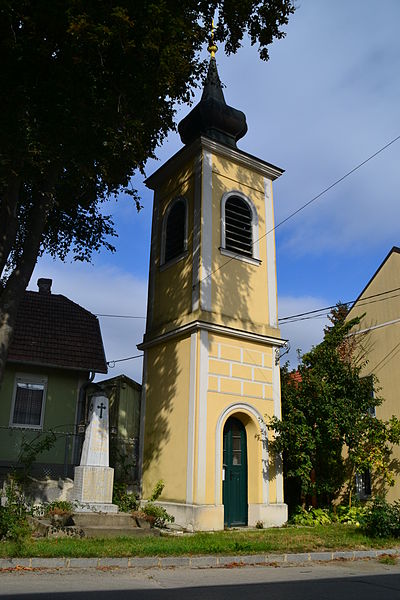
x=212 y=47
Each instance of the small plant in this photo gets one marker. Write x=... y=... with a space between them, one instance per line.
x=157 y=515
x=59 y=512
x=259 y=525
x=125 y=501
x=59 y=507
x=311 y=516
x=14 y=514
x=387 y=559
x=353 y=515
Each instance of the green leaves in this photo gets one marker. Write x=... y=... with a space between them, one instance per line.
x=328 y=431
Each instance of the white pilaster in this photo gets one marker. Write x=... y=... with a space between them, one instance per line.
x=271 y=259
x=202 y=419
x=191 y=418
x=206 y=232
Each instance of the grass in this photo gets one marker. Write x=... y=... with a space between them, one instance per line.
x=283 y=540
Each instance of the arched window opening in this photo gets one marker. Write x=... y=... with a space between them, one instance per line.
x=238 y=226
x=175 y=231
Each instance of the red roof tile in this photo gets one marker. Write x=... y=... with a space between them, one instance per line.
x=51 y=330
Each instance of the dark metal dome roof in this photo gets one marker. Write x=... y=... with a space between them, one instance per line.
x=212 y=117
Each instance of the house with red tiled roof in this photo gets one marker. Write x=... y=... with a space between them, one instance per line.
x=56 y=351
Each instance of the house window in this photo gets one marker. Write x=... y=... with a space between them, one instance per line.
x=28 y=402
x=363 y=484
x=174 y=232
x=239 y=228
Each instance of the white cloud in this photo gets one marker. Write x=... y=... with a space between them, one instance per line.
x=104 y=290
x=304 y=334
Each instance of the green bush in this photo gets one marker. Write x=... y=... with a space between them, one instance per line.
x=311 y=516
x=382 y=519
x=157 y=514
x=14 y=515
x=125 y=501
x=353 y=515
x=59 y=506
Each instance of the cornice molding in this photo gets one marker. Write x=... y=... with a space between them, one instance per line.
x=213 y=328
x=235 y=155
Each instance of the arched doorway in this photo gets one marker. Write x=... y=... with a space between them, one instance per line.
x=234 y=484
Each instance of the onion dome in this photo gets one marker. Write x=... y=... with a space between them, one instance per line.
x=212 y=117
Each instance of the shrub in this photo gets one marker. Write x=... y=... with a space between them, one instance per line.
x=157 y=515
x=14 y=515
x=59 y=507
x=382 y=519
x=125 y=501
x=311 y=516
x=353 y=515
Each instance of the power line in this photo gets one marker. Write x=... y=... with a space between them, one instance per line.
x=120 y=316
x=305 y=315
x=332 y=185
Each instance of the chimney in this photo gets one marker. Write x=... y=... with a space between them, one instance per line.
x=44 y=285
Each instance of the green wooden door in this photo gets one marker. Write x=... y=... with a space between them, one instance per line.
x=234 y=485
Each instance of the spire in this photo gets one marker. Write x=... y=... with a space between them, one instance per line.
x=212 y=117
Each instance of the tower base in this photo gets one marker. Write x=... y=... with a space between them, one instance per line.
x=210 y=517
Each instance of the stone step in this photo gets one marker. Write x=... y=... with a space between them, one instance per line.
x=105 y=520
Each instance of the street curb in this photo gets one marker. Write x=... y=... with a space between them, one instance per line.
x=193 y=562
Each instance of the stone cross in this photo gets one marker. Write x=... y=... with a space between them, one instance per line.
x=95 y=450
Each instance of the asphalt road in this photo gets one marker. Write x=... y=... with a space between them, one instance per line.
x=366 y=580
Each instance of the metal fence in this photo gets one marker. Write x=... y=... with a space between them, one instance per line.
x=53 y=453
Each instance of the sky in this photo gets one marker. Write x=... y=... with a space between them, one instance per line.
x=327 y=99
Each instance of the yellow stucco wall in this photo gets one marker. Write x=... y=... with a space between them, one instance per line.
x=167 y=391
x=238 y=287
x=239 y=373
x=382 y=344
x=174 y=283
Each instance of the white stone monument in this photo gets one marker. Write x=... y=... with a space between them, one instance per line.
x=93 y=481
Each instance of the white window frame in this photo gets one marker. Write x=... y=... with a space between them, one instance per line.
x=164 y=233
x=255 y=258
x=35 y=380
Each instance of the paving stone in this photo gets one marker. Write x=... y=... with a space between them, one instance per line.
x=144 y=561
x=203 y=561
x=298 y=558
x=228 y=560
x=48 y=563
x=253 y=559
x=321 y=555
x=10 y=563
x=114 y=562
x=387 y=551
x=175 y=561
x=275 y=558
x=365 y=553
x=83 y=562
x=348 y=555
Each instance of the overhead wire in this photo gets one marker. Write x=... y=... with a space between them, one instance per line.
x=300 y=316
x=291 y=215
x=313 y=313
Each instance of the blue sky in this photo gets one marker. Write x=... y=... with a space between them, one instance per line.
x=327 y=99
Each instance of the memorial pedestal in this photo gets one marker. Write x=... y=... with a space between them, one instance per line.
x=93 y=481
x=93 y=489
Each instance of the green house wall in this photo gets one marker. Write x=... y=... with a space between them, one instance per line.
x=60 y=411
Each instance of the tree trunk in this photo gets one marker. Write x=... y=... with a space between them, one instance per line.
x=351 y=483
x=8 y=220
x=13 y=291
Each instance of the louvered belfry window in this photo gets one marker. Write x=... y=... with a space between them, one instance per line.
x=175 y=231
x=238 y=226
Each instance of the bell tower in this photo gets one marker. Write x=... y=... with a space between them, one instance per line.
x=210 y=377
